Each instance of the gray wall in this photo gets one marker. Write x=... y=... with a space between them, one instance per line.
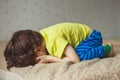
x=37 y=14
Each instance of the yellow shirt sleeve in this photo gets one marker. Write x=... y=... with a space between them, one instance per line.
x=58 y=47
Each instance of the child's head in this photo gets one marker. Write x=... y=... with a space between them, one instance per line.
x=20 y=50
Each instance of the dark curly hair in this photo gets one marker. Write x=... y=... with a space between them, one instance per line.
x=20 y=50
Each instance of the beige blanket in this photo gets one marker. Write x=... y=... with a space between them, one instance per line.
x=97 y=69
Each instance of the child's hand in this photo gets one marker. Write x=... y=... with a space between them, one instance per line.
x=42 y=59
x=48 y=59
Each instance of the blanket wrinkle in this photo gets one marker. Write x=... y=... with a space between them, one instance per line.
x=96 y=69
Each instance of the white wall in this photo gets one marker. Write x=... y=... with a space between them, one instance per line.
x=37 y=14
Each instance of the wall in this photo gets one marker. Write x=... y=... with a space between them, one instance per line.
x=37 y=14
x=115 y=19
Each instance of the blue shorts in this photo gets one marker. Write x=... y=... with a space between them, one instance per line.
x=91 y=47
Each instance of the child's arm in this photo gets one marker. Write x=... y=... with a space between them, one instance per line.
x=70 y=55
x=48 y=59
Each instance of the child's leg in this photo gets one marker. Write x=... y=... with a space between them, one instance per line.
x=91 y=47
x=97 y=52
x=91 y=53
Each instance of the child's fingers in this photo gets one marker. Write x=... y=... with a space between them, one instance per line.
x=40 y=57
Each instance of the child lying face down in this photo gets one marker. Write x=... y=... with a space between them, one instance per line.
x=61 y=42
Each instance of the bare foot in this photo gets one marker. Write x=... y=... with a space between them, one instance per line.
x=111 y=54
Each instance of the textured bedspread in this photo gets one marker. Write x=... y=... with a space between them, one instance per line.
x=97 y=69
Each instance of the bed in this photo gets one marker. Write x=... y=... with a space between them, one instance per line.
x=96 y=69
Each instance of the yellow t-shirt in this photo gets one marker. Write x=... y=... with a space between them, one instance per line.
x=58 y=36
